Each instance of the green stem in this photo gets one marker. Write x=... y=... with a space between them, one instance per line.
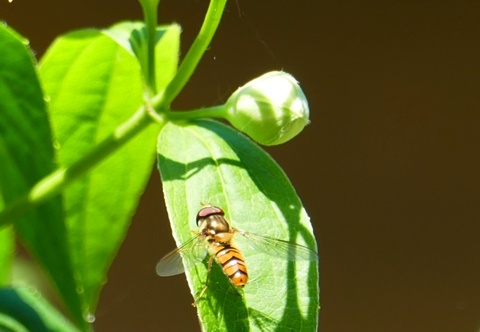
x=7 y=248
x=53 y=184
x=149 y=8
x=208 y=112
x=195 y=53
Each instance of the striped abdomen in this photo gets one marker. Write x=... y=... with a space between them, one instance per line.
x=232 y=262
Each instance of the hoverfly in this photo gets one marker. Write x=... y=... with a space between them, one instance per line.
x=215 y=237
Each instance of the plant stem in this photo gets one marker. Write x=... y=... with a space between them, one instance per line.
x=195 y=53
x=208 y=112
x=7 y=245
x=149 y=8
x=55 y=182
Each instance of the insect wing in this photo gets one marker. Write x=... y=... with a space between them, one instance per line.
x=193 y=251
x=279 y=248
x=170 y=265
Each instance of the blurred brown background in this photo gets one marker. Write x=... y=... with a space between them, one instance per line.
x=388 y=168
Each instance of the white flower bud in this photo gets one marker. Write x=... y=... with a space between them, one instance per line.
x=271 y=109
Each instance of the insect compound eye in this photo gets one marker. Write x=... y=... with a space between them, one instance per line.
x=208 y=211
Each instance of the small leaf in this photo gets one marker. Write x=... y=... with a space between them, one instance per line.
x=94 y=84
x=211 y=163
x=26 y=155
x=22 y=309
x=132 y=37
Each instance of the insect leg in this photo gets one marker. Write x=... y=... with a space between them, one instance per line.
x=210 y=262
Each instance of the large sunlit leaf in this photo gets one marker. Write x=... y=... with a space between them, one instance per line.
x=23 y=310
x=27 y=155
x=94 y=84
x=211 y=163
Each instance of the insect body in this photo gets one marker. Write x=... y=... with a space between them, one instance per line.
x=216 y=230
x=216 y=234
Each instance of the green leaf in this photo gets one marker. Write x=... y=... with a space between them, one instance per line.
x=27 y=155
x=132 y=37
x=7 y=250
x=23 y=309
x=94 y=84
x=211 y=163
